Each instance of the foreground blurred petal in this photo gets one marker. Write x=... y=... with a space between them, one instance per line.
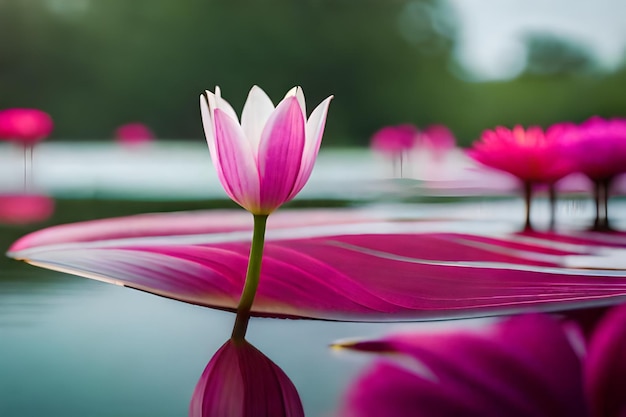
x=338 y=264
x=606 y=365
x=523 y=366
x=240 y=381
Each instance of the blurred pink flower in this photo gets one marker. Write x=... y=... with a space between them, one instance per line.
x=241 y=381
x=134 y=133
x=438 y=139
x=25 y=126
x=394 y=140
x=264 y=160
x=531 y=155
x=598 y=150
x=522 y=366
x=25 y=208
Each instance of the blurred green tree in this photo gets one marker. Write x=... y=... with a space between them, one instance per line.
x=96 y=64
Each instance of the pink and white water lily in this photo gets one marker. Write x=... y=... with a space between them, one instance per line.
x=264 y=159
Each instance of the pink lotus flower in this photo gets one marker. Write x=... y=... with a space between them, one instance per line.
x=598 y=150
x=522 y=366
x=530 y=155
x=25 y=126
x=133 y=134
x=240 y=381
x=264 y=160
x=438 y=140
x=394 y=142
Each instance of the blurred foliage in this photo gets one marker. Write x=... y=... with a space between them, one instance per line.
x=95 y=64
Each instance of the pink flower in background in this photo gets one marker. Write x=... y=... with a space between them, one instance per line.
x=394 y=140
x=25 y=208
x=25 y=126
x=598 y=150
x=531 y=155
x=240 y=381
x=134 y=134
x=265 y=159
x=522 y=366
x=528 y=154
x=438 y=139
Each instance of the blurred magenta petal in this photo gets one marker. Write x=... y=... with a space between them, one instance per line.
x=438 y=139
x=598 y=148
x=528 y=154
x=522 y=366
x=393 y=140
x=25 y=208
x=25 y=126
x=606 y=365
x=264 y=161
x=134 y=134
x=338 y=264
x=240 y=381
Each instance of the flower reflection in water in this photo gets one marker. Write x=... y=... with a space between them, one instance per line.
x=241 y=381
x=25 y=208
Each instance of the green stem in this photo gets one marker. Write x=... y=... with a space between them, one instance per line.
x=598 y=199
x=528 y=193
x=552 y=203
x=252 y=278
x=606 y=184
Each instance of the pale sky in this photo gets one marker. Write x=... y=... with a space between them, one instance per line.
x=490 y=31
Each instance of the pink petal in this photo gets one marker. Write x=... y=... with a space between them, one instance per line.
x=314 y=131
x=256 y=113
x=206 y=110
x=523 y=366
x=240 y=381
x=605 y=367
x=329 y=264
x=299 y=94
x=236 y=162
x=280 y=154
x=223 y=105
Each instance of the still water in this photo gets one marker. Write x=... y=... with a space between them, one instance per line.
x=75 y=347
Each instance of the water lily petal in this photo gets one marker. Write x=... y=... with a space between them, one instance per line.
x=255 y=115
x=605 y=367
x=280 y=153
x=236 y=161
x=299 y=94
x=314 y=131
x=328 y=264
x=223 y=105
x=522 y=366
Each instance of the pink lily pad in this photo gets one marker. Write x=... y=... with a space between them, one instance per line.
x=342 y=264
